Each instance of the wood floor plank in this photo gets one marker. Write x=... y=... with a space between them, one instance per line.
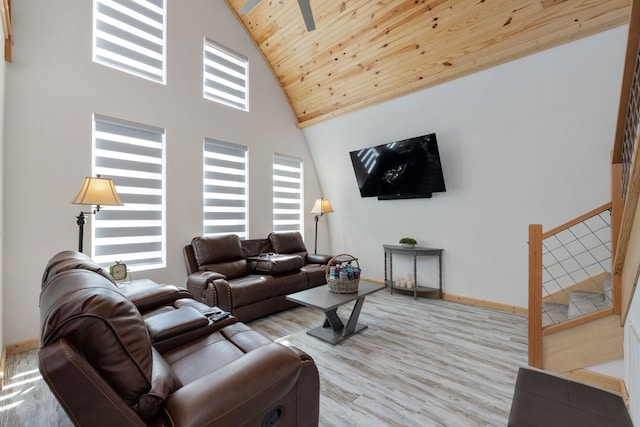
x=419 y=363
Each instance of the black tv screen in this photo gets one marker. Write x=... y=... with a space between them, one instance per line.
x=399 y=170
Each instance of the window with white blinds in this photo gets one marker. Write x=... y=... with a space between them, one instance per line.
x=224 y=189
x=133 y=156
x=225 y=75
x=287 y=193
x=130 y=35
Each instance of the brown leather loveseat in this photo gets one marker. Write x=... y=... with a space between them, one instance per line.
x=98 y=358
x=239 y=275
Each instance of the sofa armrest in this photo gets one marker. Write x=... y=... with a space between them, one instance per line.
x=202 y=277
x=238 y=392
x=168 y=324
x=67 y=372
x=318 y=259
x=147 y=294
x=210 y=288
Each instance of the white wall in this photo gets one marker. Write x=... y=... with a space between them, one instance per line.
x=526 y=142
x=53 y=88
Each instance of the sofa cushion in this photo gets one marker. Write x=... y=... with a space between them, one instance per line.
x=217 y=249
x=289 y=283
x=230 y=270
x=280 y=264
x=250 y=289
x=316 y=274
x=222 y=254
x=288 y=243
x=214 y=352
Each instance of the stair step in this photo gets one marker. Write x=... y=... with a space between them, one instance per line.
x=581 y=303
x=608 y=289
x=553 y=313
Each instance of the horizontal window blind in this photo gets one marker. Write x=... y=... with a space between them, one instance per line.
x=130 y=35
x=133 y=157
x=287 y=193
x=224 y=189
x=225 y=76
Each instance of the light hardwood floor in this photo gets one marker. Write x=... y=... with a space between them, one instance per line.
x=421 y=363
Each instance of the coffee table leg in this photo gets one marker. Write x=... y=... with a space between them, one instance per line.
x=353 y=319
x=333 y=320
x=333 y=329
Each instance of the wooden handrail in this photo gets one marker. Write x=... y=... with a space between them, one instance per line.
x=617 y=206
x=578 y=220
x=535 y=295
x=633 y=43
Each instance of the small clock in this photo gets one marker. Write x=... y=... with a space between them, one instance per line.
x=118 y=271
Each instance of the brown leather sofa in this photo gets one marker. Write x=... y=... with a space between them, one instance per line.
x=99 y=359
x=223 y=271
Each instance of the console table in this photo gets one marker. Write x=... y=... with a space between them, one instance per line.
x=416 y=251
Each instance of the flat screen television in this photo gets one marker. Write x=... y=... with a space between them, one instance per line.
x=399 y=170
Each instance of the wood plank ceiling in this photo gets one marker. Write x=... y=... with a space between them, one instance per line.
x=364 y=52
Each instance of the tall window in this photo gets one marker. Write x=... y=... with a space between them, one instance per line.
x=130 y=35
x=225 y=76
x=224 y=189
x=287 y=193
x=132 y=155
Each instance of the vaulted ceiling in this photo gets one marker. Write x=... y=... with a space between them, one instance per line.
x=364 y=52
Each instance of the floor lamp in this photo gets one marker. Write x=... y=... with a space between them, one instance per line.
x=94 y=191
x=322 y=206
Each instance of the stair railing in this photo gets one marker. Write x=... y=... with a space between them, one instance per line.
x=575 y=256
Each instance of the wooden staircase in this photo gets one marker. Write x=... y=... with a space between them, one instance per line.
x=573 y=325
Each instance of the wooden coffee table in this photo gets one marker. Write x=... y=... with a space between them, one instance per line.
x=334 y=330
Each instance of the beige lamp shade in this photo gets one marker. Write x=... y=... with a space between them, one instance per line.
x=97 y=191
x=322 y=206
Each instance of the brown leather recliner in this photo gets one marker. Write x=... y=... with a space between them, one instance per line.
x=97 y=357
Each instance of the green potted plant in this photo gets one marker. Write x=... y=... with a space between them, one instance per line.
x=408 y=242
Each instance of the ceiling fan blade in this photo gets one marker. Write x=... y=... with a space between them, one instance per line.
x=248 y=6
x=307 y=14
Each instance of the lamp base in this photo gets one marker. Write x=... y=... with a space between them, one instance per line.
x=81 y=221
x=315 y=242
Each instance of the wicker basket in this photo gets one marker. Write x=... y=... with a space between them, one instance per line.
x=342 y=286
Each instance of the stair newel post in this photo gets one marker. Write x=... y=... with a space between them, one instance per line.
x=617 y=207
x=535 y=295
